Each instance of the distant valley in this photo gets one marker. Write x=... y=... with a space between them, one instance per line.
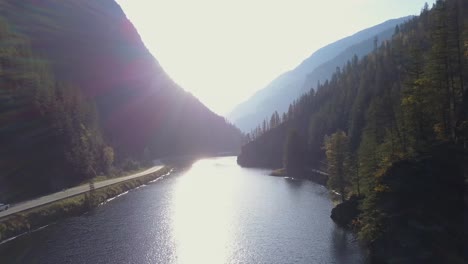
x=319 y=67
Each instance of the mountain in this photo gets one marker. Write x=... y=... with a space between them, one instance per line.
x=95 y=95
x=318 y=67
x=391 y=132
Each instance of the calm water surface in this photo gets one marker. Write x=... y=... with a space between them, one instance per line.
x=212 y=212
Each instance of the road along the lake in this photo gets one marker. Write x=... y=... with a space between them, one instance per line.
x=16 y=208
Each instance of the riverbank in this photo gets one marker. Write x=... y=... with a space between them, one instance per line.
x=228 y=206
x=29 y=220
x=310 y=175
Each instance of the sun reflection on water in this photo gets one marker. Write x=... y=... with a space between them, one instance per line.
x=202 y=220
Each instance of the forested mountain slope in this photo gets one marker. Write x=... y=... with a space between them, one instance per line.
x=320 y=66
x=81 y=93
x=391 y=128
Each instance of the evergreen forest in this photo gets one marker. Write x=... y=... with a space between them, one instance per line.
x=391 y=132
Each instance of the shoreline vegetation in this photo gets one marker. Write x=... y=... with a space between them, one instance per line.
x=308 y=175
x=30 y=220
x=406 y=211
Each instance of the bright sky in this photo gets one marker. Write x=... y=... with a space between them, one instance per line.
x=223 y=51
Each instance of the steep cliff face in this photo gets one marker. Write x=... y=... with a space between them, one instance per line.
x=94 y=46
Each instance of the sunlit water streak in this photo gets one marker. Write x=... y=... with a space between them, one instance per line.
x=213 y=212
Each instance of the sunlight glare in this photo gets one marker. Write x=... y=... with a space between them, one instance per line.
x=202 y=223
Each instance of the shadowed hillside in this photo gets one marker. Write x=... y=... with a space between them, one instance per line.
x=133 y=109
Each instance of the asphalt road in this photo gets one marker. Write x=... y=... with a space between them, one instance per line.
x=15 y=208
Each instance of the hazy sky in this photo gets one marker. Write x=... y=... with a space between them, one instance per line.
x=223 y=51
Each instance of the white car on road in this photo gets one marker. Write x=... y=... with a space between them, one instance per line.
x=4 y=207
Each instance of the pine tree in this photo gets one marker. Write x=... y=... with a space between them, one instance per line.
x=338 y=156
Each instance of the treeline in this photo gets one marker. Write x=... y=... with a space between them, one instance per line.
x=82 y=96
x=274 y=121
x=398 y=104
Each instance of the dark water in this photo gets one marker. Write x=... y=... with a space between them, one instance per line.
x=213 y=212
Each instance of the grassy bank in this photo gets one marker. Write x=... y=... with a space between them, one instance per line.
x=279 y=173
x=32 y=219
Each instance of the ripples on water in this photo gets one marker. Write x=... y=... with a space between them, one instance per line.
x=213 y=212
